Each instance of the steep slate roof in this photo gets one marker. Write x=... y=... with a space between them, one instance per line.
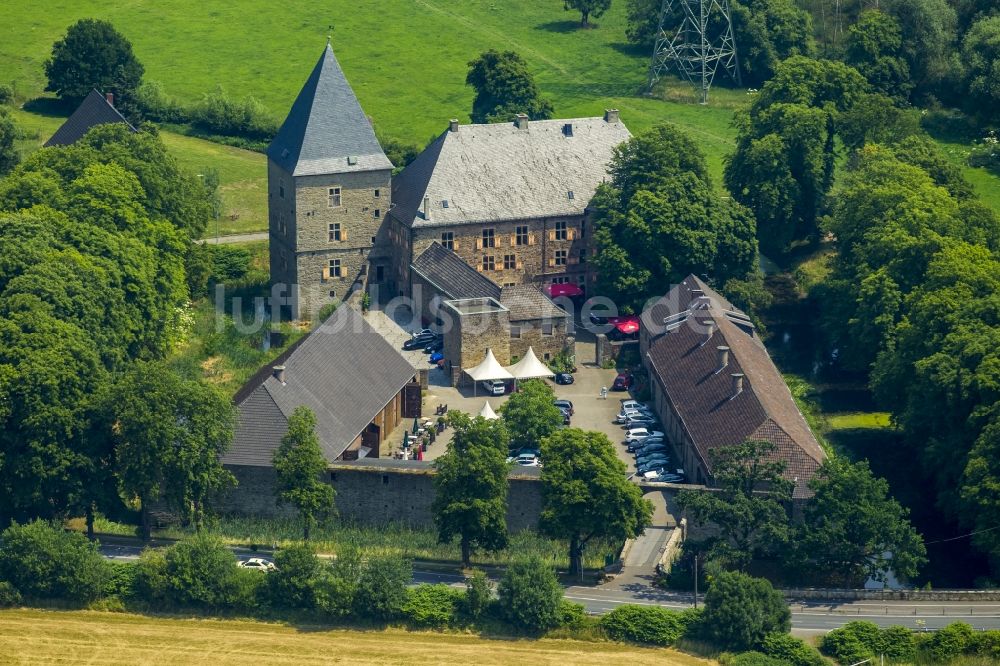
x=451 y=275
x=344 y=371
x=326 y=126
x=526 y=301
x=94 y=110
x=496 y=172
x=685 y=363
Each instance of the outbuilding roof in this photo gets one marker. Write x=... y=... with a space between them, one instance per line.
x=344 y=371
x=94 y=110
x=326 y=130
x=503 y=171
x=685 y=360
x=449 y=273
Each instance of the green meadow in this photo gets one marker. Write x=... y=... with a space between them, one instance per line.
x=406 y=60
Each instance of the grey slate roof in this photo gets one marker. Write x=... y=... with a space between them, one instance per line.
x=451 y=275
x=498 y=172
x=344 y=371
x=94 y=110
x=326 y=126
x=526 y=301
x=685 y=363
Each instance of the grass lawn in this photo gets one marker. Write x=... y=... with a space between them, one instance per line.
x=48 y=637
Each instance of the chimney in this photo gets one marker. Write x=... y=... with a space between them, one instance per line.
x=453 y=125
x=279 y=373
x=696 y=294
x=709 y=330
x=522 y=121
x=610 y=115
x=427 y=208
x=723 y=355
x=737 y=384
x=110 y=97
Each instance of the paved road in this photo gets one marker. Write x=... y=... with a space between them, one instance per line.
x=235 y=238
x=806 y=617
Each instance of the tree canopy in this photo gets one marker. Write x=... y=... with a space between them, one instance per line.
x=740 y=611
x=504 y=88
x=586 y=494
x=530 y=415
x=587 y=8
x=874 y=48
x=470 y=499
x=94 y=55
x=298 y=465
x=659 y=219
x=981 y=57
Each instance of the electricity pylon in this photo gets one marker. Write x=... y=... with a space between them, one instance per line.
x=698 y=46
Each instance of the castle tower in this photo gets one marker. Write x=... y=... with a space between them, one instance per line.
x=328 y=191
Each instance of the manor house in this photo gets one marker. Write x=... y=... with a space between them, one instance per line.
x=509 y=199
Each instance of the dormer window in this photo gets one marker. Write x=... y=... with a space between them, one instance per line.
x=352 y=160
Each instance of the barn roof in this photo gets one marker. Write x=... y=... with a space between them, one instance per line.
x=685 y=361
x=326 y=130
x=344 y=371
x=499 y=171
x=94 y=110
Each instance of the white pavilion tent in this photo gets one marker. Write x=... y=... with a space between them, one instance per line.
x=487 y=412
x=490 y=368
x=530 y=367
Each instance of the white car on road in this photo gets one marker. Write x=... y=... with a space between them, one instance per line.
x=257 y=563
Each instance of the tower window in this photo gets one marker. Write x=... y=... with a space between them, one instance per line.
x=378 y=213
x=378 y=193
x=335 y=268
x=334 y=197
x=489 y=263
x=335 y=231
x=561 y=232
x=561 y=257
x=489 y=240
x=509 y=262
x=448 y=239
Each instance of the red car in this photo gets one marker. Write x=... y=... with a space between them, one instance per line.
x=623 y=382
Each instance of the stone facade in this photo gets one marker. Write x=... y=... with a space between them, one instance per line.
x=548 y=249
x=471 y=326
x=547 y=337
x=309 y=231
x=374 y=495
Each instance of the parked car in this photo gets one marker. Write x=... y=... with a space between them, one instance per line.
x=665 y=476
x=643 y=420
x=566 y=415
x=623 y=382
x=563 y=378
x=642 y=435
x=636 y=433
x=564 y=404
x=258 y=564
x=635 y=405
x=659 y=467
x=437 y=344
x=419 y=341
x=637 y=444
x=651 y=457
x=494 y=386
x=652 y=447
x=528 y=460
x=625 y=414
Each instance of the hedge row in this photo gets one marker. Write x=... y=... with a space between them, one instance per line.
x=861 y=640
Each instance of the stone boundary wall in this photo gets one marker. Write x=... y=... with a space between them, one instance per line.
x=815 y=594
x=672 y=549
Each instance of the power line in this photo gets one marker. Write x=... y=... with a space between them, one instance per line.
x=962 y=536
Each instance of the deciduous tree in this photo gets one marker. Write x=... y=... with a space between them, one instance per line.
x=981 y=58
x=530 y=595
x=9 y=155
x=740 y=611
x=874 y=48
x=470 y=487
x=587 y=8
x=585 y=493
x=530 y=415
x=504 y=88
x=751 y=523
x=298 y=464
x=94 y=55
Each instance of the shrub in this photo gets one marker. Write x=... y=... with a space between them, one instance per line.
x=571 y=615
x=898 y=644
x=6 y=94
x=950 y=642
x=41 y=560
x=478 y=594
x=530 y=595
x=650 y=625
x=985 y=644
x=122 y=581
x=230 y=262
x=293 y=584
x=202 y=571
x=337 y=584
x=431 y=605
x=107 y=605
x=9 y=596
x=791 y=650
x=741 y=610
x=381 y=591
x=150 y=582
x=155 y=105
x=754 y=659
x=217 y=112
x=844 y=646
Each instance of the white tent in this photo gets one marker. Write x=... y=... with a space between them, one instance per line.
x=487 y=412
x=490 y=368
x=530 y=367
